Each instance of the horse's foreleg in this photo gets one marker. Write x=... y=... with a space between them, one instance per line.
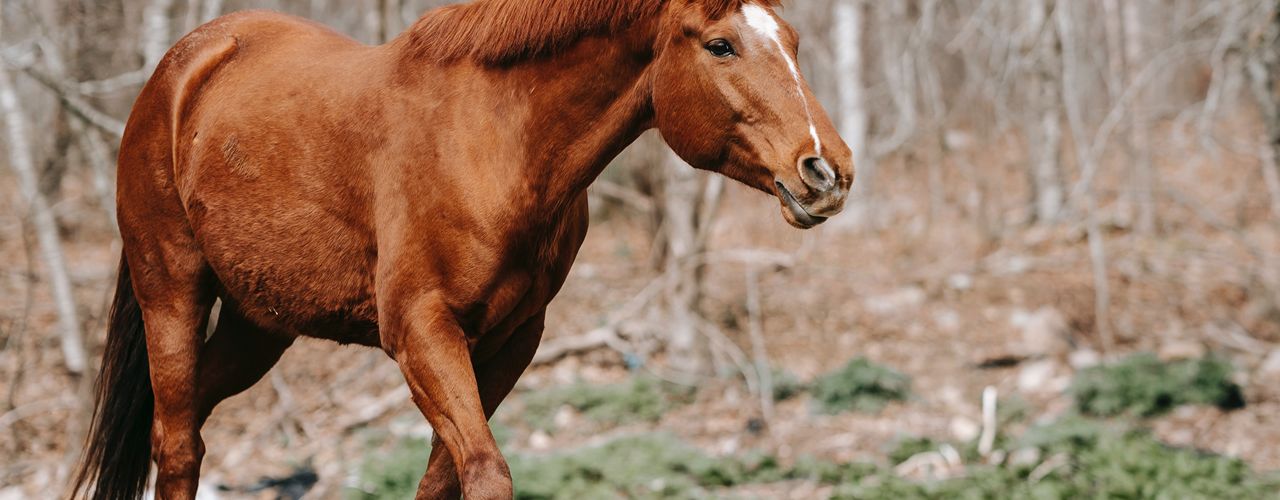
x=496 y=378
x=433 y=353
x=237 y=356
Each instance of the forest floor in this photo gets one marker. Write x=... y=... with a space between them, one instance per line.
x=926 y=295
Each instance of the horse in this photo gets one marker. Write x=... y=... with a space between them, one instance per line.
x=426 y=197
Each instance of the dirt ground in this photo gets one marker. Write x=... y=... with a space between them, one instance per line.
x=925 y=293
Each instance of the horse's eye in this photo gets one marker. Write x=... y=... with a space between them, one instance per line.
x=720 y=48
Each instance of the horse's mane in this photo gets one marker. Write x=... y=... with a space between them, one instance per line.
x=503 y=31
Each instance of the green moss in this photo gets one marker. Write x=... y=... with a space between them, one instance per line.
x=830 y=472
x=394 y=473
x=786 y=385
x=1099 y=459
x=640 y=399
x=1144 y=386
x=637 y=467
x=860 y=386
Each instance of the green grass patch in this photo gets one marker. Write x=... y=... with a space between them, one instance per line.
x=1094 y=459
x=860 y=386
x=1143 y=386
x=786 y=385
x=648 y=466
x=392 y=473
x=1087 y=458
x=639 y=399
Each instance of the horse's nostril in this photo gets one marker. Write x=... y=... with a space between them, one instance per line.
x=817 y=173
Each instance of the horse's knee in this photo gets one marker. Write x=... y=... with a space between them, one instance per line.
x=486 y=475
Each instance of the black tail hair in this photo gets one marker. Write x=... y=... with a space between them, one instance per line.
x=117 y=454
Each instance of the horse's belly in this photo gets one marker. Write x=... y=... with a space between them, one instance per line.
x=304 y=277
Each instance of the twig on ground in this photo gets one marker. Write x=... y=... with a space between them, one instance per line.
x=42 y=407
x=605 y=336
x=627 y=196
x=990 y=398
x=379 y=407
x=1047 y=467
x=555 y=349
x=727 y=347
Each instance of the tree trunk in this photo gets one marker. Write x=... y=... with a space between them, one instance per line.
x=102 y=168
x=211 y=10
x=1264 y=78
x=156 y=32
x=1066 y=23
x=46 y=226
x=848 y=37
x=1049 y=193
x=1144 y=181
x=1047 y=190
x=392 y=24
x=688 y=201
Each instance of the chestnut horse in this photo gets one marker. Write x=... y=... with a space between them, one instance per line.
x=426 y=197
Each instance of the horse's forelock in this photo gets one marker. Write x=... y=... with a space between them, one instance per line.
x=717 y=9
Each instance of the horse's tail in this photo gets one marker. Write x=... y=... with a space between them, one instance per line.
x=117 y=454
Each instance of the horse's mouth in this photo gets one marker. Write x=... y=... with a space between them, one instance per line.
x=799 y=216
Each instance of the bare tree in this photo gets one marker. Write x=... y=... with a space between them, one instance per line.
x=157 y=30
x=1144 y=182
x=848 y=34
x=688 y=200
x=1264 y=75
x=1040 y=41
x=45 y=225
x=1065 y=19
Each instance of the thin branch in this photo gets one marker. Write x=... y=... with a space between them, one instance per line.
x=76 y=105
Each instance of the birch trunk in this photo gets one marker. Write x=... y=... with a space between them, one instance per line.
x=102 y=168
x=1074 y=106
x=688 y=202
x=1264 y=78
x=156 y=31
x=1047 y=190
x=1144 y=188
x=392 y=23
x=46 y=226
x=854 y=119
x=210 y=9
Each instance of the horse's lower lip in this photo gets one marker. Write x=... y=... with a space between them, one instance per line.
x=798 y=212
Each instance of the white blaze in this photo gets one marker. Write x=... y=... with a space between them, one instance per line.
x=764 y=23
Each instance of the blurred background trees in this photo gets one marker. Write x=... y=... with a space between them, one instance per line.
x=989 y=120
x=924 y=78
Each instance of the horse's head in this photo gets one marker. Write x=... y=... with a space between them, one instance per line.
x=729 y=97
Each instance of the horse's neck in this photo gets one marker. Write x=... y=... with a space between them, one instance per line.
x=591 y=103
x=571 y=113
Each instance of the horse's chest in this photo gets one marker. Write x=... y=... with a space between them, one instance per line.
x=521 y=293
x=491 y=322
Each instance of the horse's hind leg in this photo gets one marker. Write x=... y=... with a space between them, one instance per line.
x=171 y=280
x=237 y=356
